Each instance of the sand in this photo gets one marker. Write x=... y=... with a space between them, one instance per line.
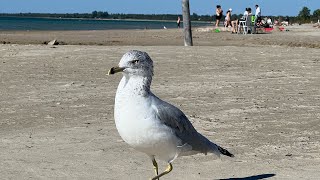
x=296 y=36
x=260 y=101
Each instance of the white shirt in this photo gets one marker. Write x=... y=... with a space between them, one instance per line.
x=269 y=21
x=258 y=12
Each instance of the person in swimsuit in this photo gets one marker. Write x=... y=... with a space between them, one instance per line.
x=227 y=21
x=218 y=15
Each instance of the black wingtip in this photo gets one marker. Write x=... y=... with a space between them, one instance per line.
x=225 y=152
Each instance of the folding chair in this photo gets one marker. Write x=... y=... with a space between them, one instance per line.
x=245 y=24
x=242 y=25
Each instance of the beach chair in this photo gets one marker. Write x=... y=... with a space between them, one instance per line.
x=245 y=24
x=242 y=25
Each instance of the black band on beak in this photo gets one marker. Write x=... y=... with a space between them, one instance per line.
x=111 y=71
x=114 y=70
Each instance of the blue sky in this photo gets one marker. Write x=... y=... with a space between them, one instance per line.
x=269 y=7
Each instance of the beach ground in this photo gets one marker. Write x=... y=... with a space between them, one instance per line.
x=295 y=36
x=260 y=101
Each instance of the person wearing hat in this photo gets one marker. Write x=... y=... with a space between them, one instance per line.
x=227 y=21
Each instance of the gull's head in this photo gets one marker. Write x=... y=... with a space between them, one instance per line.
x=134 y=62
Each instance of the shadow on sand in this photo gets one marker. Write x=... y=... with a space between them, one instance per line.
x=256 y=177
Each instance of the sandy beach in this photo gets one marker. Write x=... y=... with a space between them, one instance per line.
x=256 y=95
x=296 y=36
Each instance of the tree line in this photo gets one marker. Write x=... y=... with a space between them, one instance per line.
x=304 y=16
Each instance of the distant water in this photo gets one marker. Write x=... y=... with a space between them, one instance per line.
x=26 y=23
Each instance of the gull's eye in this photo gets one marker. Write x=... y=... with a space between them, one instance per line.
x=135 y=61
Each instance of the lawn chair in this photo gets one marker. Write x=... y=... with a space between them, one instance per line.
x=245 y=24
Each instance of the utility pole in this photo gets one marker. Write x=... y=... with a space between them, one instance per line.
x=186 y=23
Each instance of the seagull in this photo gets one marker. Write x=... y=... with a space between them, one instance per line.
x=149 y=124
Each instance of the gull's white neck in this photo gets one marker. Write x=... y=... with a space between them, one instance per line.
x=132 y=91
x=134 y=86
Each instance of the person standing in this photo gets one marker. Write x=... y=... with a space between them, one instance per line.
x=257 y=18
x=246 y=13
x=178 y=22
x=219 y=13
x=227 y=21
x=258 y=11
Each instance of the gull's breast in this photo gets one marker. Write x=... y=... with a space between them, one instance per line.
x=138 y=125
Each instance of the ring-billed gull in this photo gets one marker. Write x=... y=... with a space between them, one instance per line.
x=149 y=124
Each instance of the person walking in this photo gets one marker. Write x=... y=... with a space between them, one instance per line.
x=178 y=22
x=219 y=13
x=227 y=21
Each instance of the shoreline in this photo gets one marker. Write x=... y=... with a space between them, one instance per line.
x=14 y=23
x=94 y=19
x=296 y=36
x=106 y=19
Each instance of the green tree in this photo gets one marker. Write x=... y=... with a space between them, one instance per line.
x=194 y=17
x=316 y=15
x=94 y=14
x=99 y=14
x=304 y=15
x=105 y=14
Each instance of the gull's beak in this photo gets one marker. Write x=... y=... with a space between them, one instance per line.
x=114 y=70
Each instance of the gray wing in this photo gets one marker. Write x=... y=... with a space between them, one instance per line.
x=177 y=120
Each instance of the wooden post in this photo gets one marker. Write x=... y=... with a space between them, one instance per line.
x=186 y=23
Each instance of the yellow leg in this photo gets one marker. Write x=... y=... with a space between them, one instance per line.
x=155 y=166
x=169 y=169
